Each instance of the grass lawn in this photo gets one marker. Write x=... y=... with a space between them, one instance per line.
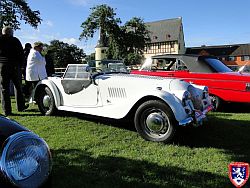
x=101 y=153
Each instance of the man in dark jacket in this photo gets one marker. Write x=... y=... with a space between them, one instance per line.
x=50 y=69
x=11 y=59
x=26 y=51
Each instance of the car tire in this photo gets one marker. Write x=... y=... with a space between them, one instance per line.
x=155 y=121
x=217 y=102
x=46 y=102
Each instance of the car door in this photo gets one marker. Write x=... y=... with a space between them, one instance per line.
x=78 y=88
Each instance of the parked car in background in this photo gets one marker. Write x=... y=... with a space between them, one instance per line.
x=25 y=159
x=224 y=84
x=156 y=105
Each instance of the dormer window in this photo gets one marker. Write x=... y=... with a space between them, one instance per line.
x=168 y=36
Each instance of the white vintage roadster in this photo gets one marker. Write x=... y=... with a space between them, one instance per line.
x=157 y=105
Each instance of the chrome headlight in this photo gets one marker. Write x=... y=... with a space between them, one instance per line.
x=205 y=92
x=186 y=96
x=196 y=96
x=187 y=103
x=26 y=160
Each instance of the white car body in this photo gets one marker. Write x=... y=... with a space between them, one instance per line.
x=113 y=94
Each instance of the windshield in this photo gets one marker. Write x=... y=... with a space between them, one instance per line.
x=77 y=71
x=217 y=65
x=108 y=66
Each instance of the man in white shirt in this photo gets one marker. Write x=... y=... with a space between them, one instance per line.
x=35 y=70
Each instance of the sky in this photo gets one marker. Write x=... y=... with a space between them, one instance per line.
x=212 y=22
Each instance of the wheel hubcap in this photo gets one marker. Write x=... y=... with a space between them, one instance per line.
x=46 y=101
x=157 y=123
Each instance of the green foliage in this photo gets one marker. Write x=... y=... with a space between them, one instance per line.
x=13 y=11
x=124 y=42
x=102 y=17
x=133 y=58
x=117 y=46
x=137 y=35
x=64 y=54
x=128 y=43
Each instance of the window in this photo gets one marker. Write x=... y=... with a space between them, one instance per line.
x=159 y=45
x=168 y=36
x=245 y=58
x=172 y=45
x=155 y=37
x=231 y=58
x=217 y=65
x=77 y=72
x=162 y=47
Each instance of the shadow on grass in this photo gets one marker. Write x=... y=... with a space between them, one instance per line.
x=230 y=135
x=236 y=108
x=76 y=168
x=218 y=132
x=126 y=123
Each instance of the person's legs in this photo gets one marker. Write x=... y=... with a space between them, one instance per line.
x=5 y=89
x=34 y=83
x=31 y=86
x=17 y=81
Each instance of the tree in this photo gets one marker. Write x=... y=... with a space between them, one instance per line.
x=101 y=18
x=64 y=54
x=135 y=36
x=13 y=11
x=124 y=42
x=129 y=43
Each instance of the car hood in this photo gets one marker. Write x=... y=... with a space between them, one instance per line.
x=145 y=82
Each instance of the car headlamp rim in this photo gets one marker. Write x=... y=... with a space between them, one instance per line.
x=33 y=153
x=186 y=95
x=205 y=89
x=205 y=92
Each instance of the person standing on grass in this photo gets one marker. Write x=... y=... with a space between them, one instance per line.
x=35 y=69
x=11 y=59
x=50 y=69
x=26 y=51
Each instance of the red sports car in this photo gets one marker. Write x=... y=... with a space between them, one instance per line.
x=224 y=84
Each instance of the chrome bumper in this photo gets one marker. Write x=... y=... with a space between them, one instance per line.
x=198 y=118
x=186 y=121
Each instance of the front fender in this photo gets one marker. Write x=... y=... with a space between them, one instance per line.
x=175 y=104
x=51 y=85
